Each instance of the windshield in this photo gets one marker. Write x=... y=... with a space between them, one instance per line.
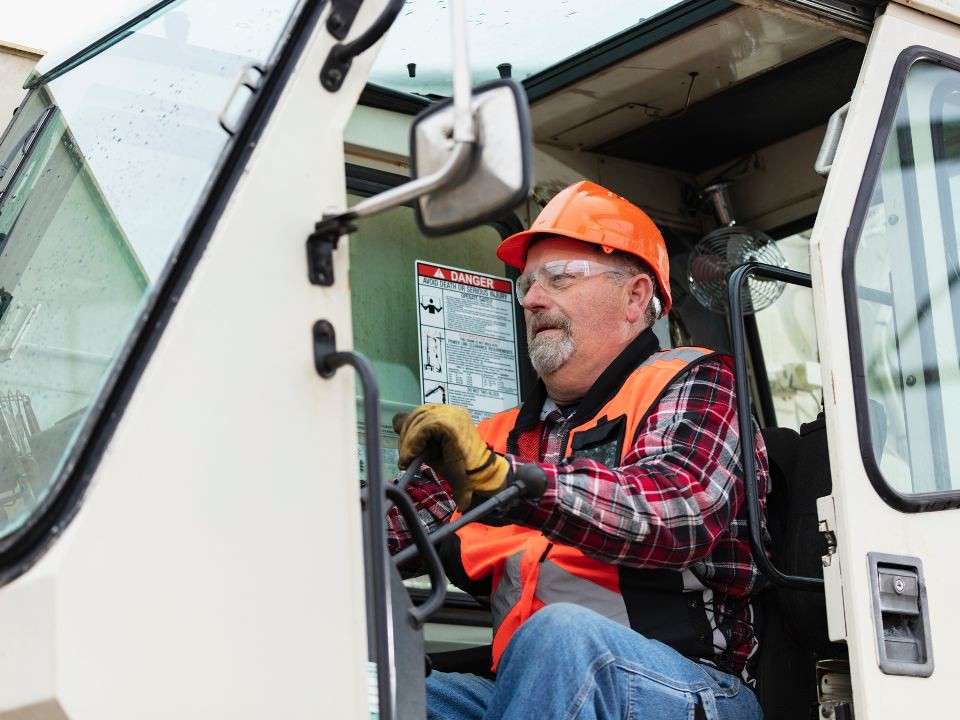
x=102 y=169
x=530 y=36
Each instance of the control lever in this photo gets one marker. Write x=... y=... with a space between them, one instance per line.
x=529 y=482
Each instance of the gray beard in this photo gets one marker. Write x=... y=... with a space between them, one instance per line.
x=548 y=353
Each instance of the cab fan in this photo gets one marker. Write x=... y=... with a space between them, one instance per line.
x=723 y=250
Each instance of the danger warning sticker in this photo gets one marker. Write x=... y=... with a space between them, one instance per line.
x=467 y=339
x=465 y=277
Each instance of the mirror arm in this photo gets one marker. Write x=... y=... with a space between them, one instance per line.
x=449 y=173
x=464 y=125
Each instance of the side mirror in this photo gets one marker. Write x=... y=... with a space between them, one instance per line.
x=498 y=174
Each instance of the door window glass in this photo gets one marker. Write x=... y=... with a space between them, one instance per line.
x=105 y=165
x=788 y=337
x=905 y=276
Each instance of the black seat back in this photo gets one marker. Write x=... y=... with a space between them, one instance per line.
x=801 y=545
x=794 y=635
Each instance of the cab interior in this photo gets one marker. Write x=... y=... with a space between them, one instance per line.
x=701 y=96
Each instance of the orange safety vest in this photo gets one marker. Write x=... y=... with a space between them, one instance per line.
x=527 y=570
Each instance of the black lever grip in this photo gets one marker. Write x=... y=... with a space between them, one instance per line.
x=533 y=481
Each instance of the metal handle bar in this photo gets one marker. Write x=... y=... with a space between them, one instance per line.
x=341 y=55
x=745 y=419
x=831 y=141
x=529 y=482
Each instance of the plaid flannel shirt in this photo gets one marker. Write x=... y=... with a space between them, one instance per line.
x=676 y=501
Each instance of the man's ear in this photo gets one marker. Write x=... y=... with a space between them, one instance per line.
x=640 y=290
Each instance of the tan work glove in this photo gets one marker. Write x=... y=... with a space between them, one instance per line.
x=448 y=441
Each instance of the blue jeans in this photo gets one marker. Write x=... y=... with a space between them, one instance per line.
x=567 y=662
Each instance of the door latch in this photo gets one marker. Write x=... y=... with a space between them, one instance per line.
x=901 y=615
x=830 y=539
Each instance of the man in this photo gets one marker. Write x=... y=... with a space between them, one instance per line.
x=624 y=590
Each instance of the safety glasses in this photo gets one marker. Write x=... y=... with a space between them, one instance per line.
x=558 y=275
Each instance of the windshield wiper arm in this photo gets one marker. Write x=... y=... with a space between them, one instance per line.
x=25 y=143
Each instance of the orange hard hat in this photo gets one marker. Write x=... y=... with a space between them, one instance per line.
x=589 y=213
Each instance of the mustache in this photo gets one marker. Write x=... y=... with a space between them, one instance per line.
x=540 y=320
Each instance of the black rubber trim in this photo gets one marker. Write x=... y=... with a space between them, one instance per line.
x=384 y=98
x=626 y=44
x=793 y=227
x=370 y=181
x=20 y=550
x=921 y=502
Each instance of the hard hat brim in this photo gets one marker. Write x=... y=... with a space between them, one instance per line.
x=513 y=250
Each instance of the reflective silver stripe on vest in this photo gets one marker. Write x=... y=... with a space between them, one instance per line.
x=691 y=581
x=683 y=353
x=558 y=585
x=507 y=592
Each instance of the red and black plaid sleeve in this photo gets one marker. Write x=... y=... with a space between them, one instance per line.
x=434 y=502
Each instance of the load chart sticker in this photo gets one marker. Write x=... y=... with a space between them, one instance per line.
x=468 y=345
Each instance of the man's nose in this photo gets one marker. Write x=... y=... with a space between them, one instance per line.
x=535 y=298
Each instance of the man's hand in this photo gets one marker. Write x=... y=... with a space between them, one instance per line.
x=448 y=441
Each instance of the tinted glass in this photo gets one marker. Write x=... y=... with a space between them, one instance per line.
x=530 y=36
x=788 y=335
x=108 y=164
x=908 y=296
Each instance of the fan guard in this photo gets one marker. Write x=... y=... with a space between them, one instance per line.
x=723 y=250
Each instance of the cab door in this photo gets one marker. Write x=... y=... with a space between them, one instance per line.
x=887 y=299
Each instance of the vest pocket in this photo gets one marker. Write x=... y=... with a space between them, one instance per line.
x=603 y=443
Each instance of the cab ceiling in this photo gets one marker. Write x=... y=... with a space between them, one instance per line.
x=731 y=85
